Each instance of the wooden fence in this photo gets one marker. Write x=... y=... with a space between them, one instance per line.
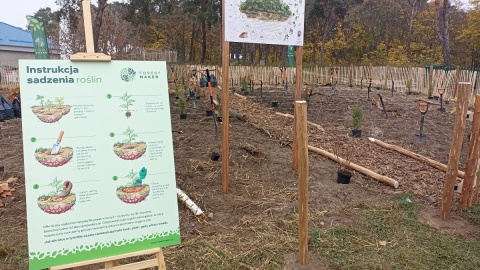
x=9 y=78
x=382 y=76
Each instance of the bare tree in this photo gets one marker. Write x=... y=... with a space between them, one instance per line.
x=442 y=16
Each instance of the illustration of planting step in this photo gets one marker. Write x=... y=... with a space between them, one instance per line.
x=128 y=149
x=59 y=200
x=127 y=103
x=55 y=156
x=135 y=190
x=50 y=111
x=270 y=10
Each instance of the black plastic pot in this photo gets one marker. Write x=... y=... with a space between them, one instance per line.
x=356 y=133
x=430 y=97
x=209 y=112
x=198 y=97
x=343 y=177
x=2 y=169
x=274 y=103
x=219 y=118
x=409 y=93
x=215 y=156
x=177 y=97
x=435 y=97
x=183 y=116
x=447 y=102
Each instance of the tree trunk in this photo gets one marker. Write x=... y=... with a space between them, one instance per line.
x=442 y=16
x=329 y=22
x=192 y=50
x=97 y=25
x=252 y=54
x=284 y=55
x=204 y=42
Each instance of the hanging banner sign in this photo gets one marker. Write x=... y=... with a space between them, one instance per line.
x=278 y=22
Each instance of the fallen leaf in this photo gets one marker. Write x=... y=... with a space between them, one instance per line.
x=11 y=180
x=382 y=243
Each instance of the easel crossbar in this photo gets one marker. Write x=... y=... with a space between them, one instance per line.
x=137 y=265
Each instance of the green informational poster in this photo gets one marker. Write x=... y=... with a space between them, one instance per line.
x=99 y=166
x=40 y=42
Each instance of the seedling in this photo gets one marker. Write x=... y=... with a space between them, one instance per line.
x=127 y=103
x=131 y=136
x=357 y=119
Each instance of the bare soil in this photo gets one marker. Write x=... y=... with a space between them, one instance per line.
x=264 y=187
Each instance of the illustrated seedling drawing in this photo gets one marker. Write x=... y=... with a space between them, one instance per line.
x=50 y=111
x=127 y=103
x=55 y=156
x=128 y=149
x=58 y=201
x=269 y=10
x=135 y=190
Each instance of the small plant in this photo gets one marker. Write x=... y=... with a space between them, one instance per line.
x=59 y=101
x=182 y=104
x=127 y=102
x=57 y=187
x=244 y=84
x=130 y=136
x=409 y=86
x=357 y=118
x=41 y=99
x=49 y=104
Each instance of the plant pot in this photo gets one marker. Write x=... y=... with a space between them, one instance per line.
x=183 y=116
x=177 y=97
x=274 y=103
x=447 y=101
x=435 y=97
x=215 y=156
x=209 y=112
x=219 y=119
x=409 y=93
x=430 y=97
x=198 y=97
x=356 y=133
x=343 y=177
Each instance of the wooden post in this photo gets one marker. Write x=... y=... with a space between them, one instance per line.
x=225 y=105
x=457 y=79
x=456 y=148
x=297 y=96
x=302 y=144
x=430 y=81
x=472 y=160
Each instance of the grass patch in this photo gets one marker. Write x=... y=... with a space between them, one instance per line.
x=392 y=238
x=13 y=249
x=472 y=214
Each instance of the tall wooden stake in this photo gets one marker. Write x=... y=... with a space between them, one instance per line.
x=302 y=144
x=457 y=79
x=225 y=105
x=456 y=148
x=430 y=81
x=472 y=160
x=297 y=96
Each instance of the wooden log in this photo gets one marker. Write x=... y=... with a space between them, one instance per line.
x=252 y=150
x=381 y=178
x=308 y=122
x=239 y=116
x=302 y=169
x=240 y=96
x=456 y=149
x=414 y=155
x=426 y=101
x=472 y=160
x=191 y=205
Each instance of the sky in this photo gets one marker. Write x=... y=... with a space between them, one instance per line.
x=15 y=11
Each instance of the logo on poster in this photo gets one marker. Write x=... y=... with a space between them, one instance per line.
x=127 y=74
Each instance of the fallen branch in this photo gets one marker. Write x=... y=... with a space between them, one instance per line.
x=190 y=204
x=240 y=96
x=251 y=149
x=239 y=116
x=429 y=102
x=416 y=156
x=308 y=122
x=353 y=166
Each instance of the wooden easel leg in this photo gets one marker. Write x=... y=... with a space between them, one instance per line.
x=161 y=260
x=111 y=264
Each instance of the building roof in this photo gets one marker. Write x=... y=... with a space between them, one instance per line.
x=15 y=36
